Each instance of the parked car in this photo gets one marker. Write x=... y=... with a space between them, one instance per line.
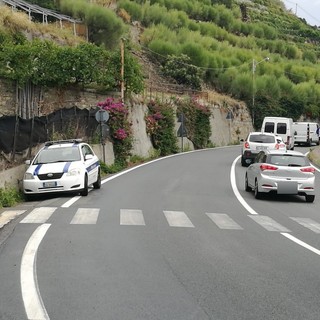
x=254 y=143
x=62 y=166
x=282 y=127
x=281 y=172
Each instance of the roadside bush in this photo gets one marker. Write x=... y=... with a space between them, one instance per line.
x=160 y=126
x=10 y=197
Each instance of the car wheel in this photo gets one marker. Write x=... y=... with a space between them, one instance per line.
x=257 y=194
x=243 y=162
x=310 y=198
x=248 y=189
x=85 y=189
x=97 y=184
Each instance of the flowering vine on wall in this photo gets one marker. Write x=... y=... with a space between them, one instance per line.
x=160 y=123
x=120 y=128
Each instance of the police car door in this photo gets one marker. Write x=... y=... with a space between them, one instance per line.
x=91 y=163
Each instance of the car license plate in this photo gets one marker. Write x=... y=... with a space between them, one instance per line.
x=50 y=184
x=287 y=187
x=262 y=148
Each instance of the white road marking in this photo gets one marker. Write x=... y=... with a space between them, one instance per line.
x=131 y=217
x=223 y=221
x=235 y=189
x=250 y=210
x=269 y=224
x=85 y=216
x=39 y=215
x=7 y=216
x=178 y=219
x=32 y=300
x=308 y=223
x=70 y=202
x=301 y=243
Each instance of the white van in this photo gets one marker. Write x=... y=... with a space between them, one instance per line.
x=305 y=133
x=282 y=127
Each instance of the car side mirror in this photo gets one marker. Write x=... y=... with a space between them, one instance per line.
x=88 y=157
x=28 y=162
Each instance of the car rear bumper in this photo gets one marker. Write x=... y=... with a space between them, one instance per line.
x=298 y=187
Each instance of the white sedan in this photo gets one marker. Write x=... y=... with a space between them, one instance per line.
x=62 y=166
x=281 y=172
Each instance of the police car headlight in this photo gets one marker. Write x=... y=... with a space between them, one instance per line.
x=28 y=176
x=74 y=172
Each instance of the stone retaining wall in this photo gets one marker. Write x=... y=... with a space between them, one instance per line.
x=224 y=131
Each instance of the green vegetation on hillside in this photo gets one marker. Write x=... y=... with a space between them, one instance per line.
x=227 y=42
x=222 y=44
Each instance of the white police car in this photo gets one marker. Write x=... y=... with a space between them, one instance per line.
x=62 y=166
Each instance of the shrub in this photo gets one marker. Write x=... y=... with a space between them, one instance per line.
x=160 y=127
x=9 y=197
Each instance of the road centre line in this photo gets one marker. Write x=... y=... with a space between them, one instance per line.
x=32 y=300
x=250 y=210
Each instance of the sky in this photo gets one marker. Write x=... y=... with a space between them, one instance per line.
x=307 y=9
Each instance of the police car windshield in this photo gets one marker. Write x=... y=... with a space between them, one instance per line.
x=52 y=155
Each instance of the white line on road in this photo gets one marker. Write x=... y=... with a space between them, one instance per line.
x=85 y=216
x=178 y=219
x=32 y=300
x=129 y=217
x=301 y=243
x=235 y=189
x=250 y=210
x=39 y=215
x=223 y=221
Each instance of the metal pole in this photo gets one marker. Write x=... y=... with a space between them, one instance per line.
x=253 y=89
x=122 y=69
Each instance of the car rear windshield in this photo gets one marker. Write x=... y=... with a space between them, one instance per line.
x=261 y=138
x=65 y=154
x=289 y=160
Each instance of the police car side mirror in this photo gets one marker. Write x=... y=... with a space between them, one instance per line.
x=88 y=157
x=27 y=162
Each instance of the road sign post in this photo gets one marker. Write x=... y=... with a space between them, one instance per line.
x=182 y=132
x=102 y=116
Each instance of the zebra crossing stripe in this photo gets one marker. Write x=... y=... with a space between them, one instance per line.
x=39 y=215
x=308 y=223
x=7 y=216
x=178 y=219
x=131 y=217
x=85 y=216
x=269 y=224
x=223 y=221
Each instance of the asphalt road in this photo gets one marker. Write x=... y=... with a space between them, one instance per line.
x=176 y=239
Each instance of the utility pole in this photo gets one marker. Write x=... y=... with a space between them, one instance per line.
x=122 y=69
x=254 y=66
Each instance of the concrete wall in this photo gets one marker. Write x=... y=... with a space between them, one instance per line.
x=224 y=132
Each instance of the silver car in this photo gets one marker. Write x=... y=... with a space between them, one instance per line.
x=254 y=143
x=281 y=172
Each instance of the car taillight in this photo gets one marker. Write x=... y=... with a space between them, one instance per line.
x=308 y=169
x=264 y=167
x=277 y=146
x=247 y=145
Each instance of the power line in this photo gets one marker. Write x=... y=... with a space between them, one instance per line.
x=302 y=9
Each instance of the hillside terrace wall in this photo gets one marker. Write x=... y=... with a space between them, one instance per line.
x=224 y=131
